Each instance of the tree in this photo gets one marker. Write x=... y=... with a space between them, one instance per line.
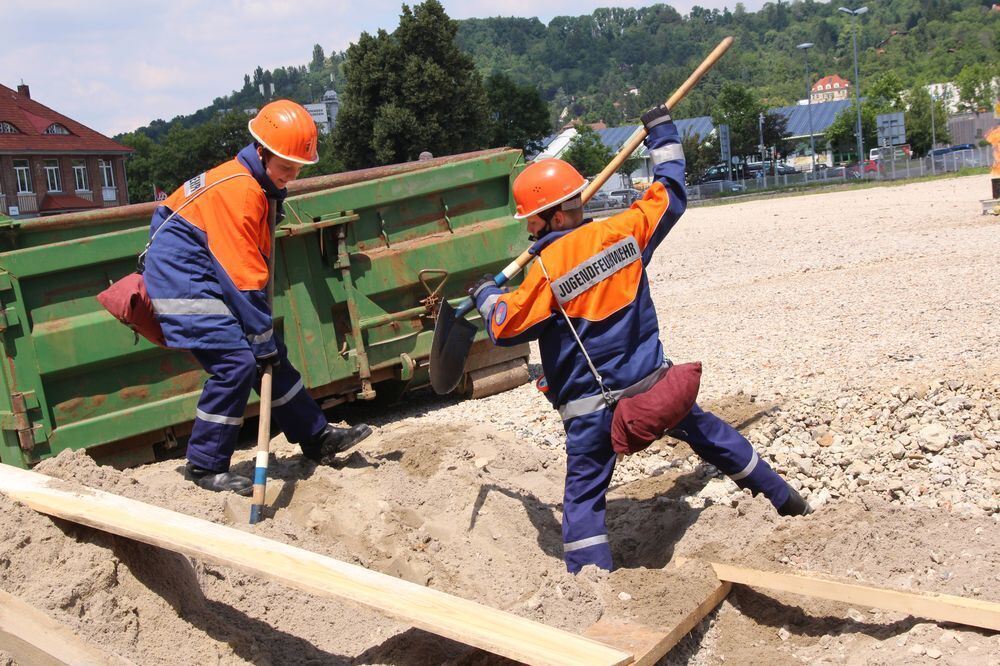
x=139 y=167
x=627 y=168
x=885 y=92
x=976 y=89
x=918 y=121
x=699 y=154
x=587 y=153
x=519 y=118
x=841 y=133
x=410 y=91
x=318 y=59
x=737 y=107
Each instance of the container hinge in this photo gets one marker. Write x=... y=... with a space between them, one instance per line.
x=28 y=434
x=381 y=226
x=447 y=218
x=8 y=318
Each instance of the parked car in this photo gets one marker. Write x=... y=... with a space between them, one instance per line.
x=600 y=201
x=946 y=156
x=755 y=168
x=857 y=170
x=720 y=174
x=626 y=197
x=714 y=174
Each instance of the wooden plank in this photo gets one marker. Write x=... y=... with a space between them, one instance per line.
x=930 y=605
x=649 y=644
x=32 y=637
x=461 y=620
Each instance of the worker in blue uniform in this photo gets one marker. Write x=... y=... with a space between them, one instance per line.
x=587 y=289
x=206 y=270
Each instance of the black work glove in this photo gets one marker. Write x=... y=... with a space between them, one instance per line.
x=655 y=116
x=268 y=360
x=479 y=284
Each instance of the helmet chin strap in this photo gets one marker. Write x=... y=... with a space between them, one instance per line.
x=540 y=233
x=571 y=204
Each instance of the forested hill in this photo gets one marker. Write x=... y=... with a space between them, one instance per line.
x=592 y=61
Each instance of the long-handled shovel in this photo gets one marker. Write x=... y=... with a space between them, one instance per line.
x=453 y=333
x=264 y=428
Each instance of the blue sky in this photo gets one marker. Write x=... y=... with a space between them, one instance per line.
x=115 y=65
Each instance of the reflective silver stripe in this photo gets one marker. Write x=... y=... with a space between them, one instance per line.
x=600 y=266
x=584 y=543
x=263 y=337
x=595 y=403
x=746 y=471
x=288 y=396
x=667 y=153
x=189 y=306
x=662 y=119
x=488 y=304
x=219 y=418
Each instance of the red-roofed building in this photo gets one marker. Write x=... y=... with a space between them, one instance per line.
x=830 y=89
x=50 y=163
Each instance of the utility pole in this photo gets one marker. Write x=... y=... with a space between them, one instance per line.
x=804 y=47
x=933 y=128
x=855 y=13
x=760 y=127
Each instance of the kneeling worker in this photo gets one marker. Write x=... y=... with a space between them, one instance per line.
x=206 y=270
x=588 y=288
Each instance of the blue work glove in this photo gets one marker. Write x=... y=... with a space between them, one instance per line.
x=268 y=360
x=486 y=280
x=655 y=116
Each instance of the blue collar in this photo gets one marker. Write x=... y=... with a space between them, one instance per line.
x=249 y=158
x=553 y=236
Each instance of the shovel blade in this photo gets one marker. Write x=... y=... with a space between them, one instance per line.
x=450 y=347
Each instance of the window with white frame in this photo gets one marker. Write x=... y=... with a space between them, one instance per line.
x=22 y=172
x=53 y=180
x=8 y=128
x=56 y=128
x=80 y=176
x=107 y=173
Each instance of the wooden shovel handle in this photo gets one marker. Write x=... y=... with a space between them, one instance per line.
x=640 y=134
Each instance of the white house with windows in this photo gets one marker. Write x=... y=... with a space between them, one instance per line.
x=51 y=164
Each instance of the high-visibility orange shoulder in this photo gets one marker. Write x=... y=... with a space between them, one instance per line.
x=642 y=218
x=229 y=205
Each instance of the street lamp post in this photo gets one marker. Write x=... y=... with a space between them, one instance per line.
x=805 y=46
x=933 y=128
x=855 y=13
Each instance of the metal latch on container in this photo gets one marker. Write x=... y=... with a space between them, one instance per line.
x=8 y=315
x=27 y=434
x=8 y=318
x=322 y=222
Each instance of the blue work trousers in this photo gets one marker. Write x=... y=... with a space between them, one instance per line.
x=588 y=475
x=223 y=402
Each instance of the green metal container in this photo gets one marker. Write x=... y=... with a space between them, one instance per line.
x=363 y=259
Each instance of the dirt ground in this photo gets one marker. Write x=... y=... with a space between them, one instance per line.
x=852 y=336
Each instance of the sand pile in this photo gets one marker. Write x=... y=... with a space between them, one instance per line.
x=472 y=511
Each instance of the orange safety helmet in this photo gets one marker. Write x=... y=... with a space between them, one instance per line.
x=287 y=130
x=544 y=184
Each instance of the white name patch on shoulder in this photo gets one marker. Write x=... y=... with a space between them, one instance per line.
x=193 y=185
x=601 y=266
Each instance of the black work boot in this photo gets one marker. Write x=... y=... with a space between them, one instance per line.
x=794 y=505
x=333 y=440
x=218 y=481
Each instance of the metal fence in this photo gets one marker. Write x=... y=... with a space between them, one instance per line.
x=877 y=171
